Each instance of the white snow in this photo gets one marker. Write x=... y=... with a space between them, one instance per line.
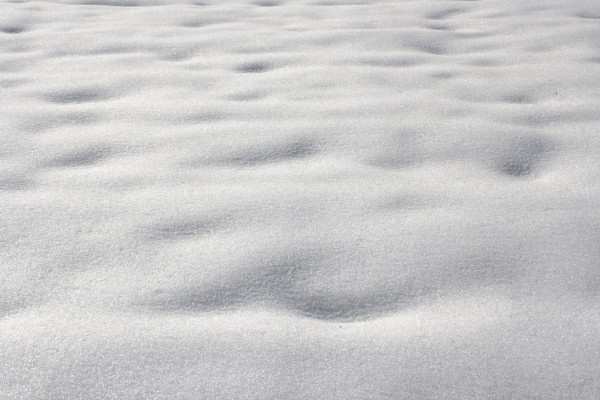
x=300 y=199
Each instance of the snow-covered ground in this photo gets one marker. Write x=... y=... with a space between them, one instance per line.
x=300 y=199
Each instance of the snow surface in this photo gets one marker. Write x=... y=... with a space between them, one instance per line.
x=300 y=199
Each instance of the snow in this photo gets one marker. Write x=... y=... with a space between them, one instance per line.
x=300 y=199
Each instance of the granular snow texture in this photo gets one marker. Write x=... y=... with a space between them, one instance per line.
x=300 y=199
